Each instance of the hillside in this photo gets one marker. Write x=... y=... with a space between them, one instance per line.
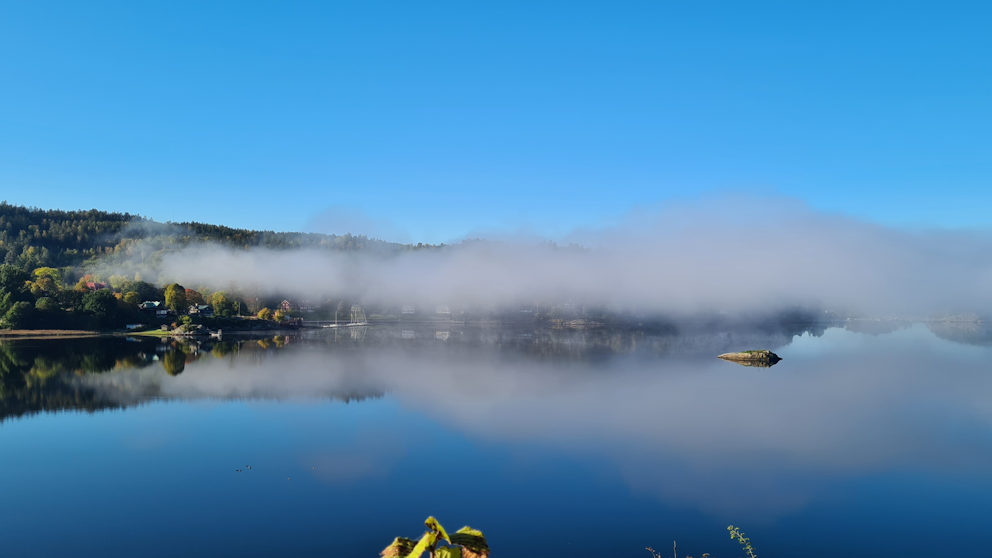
x=31 y=237
x=86 y=269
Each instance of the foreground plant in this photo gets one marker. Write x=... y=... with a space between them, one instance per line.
x=464 y=543
x=735 y=533
x=675 y=552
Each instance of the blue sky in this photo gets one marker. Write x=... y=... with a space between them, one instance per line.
x=429 y=121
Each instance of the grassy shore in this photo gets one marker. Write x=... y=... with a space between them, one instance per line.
x=46 y=333
x=150 y=333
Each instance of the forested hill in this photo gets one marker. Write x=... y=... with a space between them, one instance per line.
x=31 y=238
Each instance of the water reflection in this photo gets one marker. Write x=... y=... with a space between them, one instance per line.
x=94 y=373
x=969 y=333
x=674 y=421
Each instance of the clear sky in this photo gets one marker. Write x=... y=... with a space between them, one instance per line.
x=426 y=121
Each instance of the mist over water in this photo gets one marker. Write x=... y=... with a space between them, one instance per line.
x=726 y=254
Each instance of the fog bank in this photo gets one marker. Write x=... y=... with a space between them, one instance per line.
x=726 y=255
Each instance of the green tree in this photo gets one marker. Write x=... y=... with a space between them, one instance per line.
x=48 y=280
x=12 y=278
x=265 y=314
x=222 y=305
x=46 y=304
x=20 y=316
x=35 y=289
x=13 y=288
x=50 y=272
x=132 y=298
x=146 y=291
x=103 y=306
x=175 y=298
x=119 y=282
x=280 y=316
x=71 y=299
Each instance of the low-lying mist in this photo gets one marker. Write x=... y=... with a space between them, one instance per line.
x=729 y=255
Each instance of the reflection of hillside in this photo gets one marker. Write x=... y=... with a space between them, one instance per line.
x=52 y=397
x=105 y=373
x=968 y=333
x=693 y=431
x=108 y=373
x=32 y=374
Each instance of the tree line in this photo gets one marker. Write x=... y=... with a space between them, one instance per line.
x=31 y=237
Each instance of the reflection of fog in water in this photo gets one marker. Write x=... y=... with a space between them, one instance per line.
x=670 y=418
x=697 y=430
x=968 y=332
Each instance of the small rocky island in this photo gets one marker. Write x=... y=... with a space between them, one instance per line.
x=761 y=358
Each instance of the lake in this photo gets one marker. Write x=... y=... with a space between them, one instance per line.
x=870 y=439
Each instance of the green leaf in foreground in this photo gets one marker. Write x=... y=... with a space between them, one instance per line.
x=472 y=541
x=434 y=526
x=426 y=542
x=448 y=552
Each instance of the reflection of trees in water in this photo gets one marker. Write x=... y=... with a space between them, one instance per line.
x=41 y=376
x=31 y=374
x=37 y=376
x=174 y=363
x=46 y=375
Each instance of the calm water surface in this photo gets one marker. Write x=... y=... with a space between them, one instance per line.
x=554 y=443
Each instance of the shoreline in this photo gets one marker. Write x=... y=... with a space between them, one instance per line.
x=27 y=334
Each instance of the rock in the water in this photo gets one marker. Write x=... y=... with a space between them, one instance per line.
x=752 y=358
